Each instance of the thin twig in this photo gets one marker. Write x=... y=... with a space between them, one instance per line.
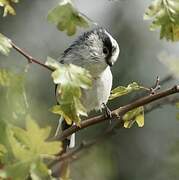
x=28 y=57
x=156 y=86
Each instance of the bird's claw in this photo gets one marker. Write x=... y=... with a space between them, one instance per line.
x=107 y=112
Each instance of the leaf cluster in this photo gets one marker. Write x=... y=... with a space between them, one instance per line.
x=67 y=18
x=24 y=151
x=8 y=8
x=164 y=15
x=135 y=115
x=122 y=90
x=70 y=80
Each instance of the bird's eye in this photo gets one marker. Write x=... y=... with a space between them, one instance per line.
x=105 y=51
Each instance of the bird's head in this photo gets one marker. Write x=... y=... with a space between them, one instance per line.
x=94 y=50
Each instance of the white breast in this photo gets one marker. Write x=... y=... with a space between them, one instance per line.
x=93 y=98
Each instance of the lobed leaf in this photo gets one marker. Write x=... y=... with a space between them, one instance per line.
x=70 y=79
x=67 y=18
x=122 y=90
x=135 y=115
x=164 y=15
x=28 y=147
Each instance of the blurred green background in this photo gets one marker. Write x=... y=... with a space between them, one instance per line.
x=137 y=153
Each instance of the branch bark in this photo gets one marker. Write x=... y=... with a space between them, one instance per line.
x=74 y=153
x=117 y=113
x=28 y=57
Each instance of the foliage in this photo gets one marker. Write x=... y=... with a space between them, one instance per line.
x=27 y=148
x=165 y=15
x=71 y=79
x=5 y=45
x=122 y=90
x=15 y=94
x=8 y=9
x=135 y=115
x=177 y=106
x=23 y=150
x=66 y=17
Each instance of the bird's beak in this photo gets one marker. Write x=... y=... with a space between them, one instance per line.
x=109 y=62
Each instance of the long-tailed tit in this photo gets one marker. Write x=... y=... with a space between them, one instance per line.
x=96 y=51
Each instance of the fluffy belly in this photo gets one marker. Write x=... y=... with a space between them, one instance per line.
x=94 y=97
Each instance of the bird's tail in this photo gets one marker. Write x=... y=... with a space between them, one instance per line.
x=70 y=141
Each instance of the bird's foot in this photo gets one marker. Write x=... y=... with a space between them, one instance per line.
x=107 y=112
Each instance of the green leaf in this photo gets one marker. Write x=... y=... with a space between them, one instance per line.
x=70 y=79
x=135 y=115
x=40 y=171
x=8 y=9
x=177 y=105
x=19 y=151
x=15 y=92
x=140 y=119
x=28 y=146
x=165 y=15
x=122 y=90
x=33 y=139
x=3 y=150
x=17 y=170
x=67 y=18
x=5 y=45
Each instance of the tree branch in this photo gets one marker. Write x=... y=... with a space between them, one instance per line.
x=28 y=57
x=72 y=154
x=118 y=112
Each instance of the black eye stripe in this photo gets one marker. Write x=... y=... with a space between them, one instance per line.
x=107 y=44
x=105 y=50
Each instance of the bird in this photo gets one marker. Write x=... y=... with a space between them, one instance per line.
x=96 y=51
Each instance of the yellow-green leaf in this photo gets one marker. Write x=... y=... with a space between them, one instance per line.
x=37 y=138
x=27 y=148
x=66 y=17
x=8 y=9
x=31 y=143
x=164 y=15
x=18 y=170
x=3 y=150
x=140 y=120
x=177 y=105
x=15 y=92
x=122 y=90
x=135 y=115
x=39 y=171
x=128 y=124
x=5 y=45
x=70 y=79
